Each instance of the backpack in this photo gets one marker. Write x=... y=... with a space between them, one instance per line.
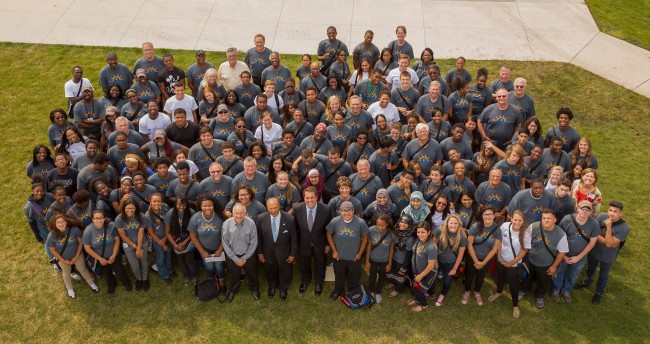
x=358 y=298
x=208 y=290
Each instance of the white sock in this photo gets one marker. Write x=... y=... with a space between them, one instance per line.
x=94 y=286
x=71 y=293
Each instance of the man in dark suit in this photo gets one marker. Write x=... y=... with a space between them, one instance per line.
x=311 y=217
x=277 y=246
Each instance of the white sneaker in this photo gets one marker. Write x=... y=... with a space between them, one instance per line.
x=75 y=276
x=71 y=294
x=378 y=298
x=56 y=268
x=154 y=267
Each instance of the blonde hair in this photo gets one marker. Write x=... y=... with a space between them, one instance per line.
x=208 y=73
x=445 y=238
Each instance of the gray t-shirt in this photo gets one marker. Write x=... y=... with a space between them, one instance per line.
x=83 y=111
x=196 y=74
x=457 y=187
x=500 y=125
x=312 y=112
x=620 y=231
x=365 y=194
x=161 y=184
x=209 y=232
x=556 y=241
x=241 y=148
x=280 y=77
x=399 y=197
x=577 y=243
x=192 y=191
x=58 y=243
x=425 y=106
x=356 y=153
x=333 y=172
x=366 y=52
x=570 y=137
x=247 y=94
x=201 y=158
x=369 y=94
x=525 y=105
x=462 y=147
x=260 y=184
x=151 y=68
x=347 y=236
x=132 y=225
x=406 y=99
x=427 y=156
x=478 y=97
x=497 y=84
x=436 y=132
x=86 y=175
x=305 y=129
x=318 y=147
x=498 y=196
x=531 y=207
x=142 y=197
x=448 y=255
x=220 y=190
x=221 y=130
x=425 y=82
x=549 y=160
x=257 y=61
x=95 y=238
x=512 y=175
x=422 y=254
x=335 y=203
x=380 y=253
x=121 y=76
x=483 y=240
x=283 y=196
x=117 y=157
x=378 y=165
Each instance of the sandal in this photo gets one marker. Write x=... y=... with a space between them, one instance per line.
x=411 y=302
x=516 y=313
x=418 y=308
x=494 y=296
x=393 y=293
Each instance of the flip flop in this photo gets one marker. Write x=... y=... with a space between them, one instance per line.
x=516 y=313
x=418 y=308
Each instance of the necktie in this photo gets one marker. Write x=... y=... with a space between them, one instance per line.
x=274 y=228
x=310 y=218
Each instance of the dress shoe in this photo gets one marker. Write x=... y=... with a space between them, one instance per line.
x=271 y=292
x=230 y=297
x=596 y=299
x=334 y=296
x=283 y=295
x=318 y=290
x=256 y=295
x=302 y=289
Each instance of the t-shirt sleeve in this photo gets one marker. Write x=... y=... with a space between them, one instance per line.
x=563 y=245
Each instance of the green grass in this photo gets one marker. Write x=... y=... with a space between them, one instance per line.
x=624 y=19
x=35 y=307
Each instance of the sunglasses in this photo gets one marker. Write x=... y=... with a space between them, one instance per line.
x=225 y=111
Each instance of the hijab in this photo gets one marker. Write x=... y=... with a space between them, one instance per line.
x=420 y=214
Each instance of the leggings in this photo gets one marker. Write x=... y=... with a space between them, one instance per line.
x=511 y=276
x=472 y=274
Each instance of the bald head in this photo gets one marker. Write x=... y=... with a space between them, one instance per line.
x=273 y=206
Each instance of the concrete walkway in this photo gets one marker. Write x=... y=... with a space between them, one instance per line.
x=534 y=30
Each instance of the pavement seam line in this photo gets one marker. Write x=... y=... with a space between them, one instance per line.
x=57 y=22
x=277 y=26
x=523 y=26
x=205 y=24
x=583 y=48
x=131 y=23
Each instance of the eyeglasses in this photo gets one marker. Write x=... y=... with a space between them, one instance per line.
x=502 y=96
x=217 y=171
x=347 y=210
x=520 y=86
x=441 y=203
x=241 y=126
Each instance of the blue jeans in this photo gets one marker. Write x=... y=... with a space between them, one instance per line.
x=444 y=268
x=163 y=260
x=43 y=233
x=567 y=274
x=603 y=276
x=212 y=268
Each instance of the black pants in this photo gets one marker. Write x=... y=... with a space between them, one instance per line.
x=188 y=265
x=511 y=276
x=278 y=273
x=346 y=271
x=475 y=275
x=543 y=280
x=118 y=269
x=250 y=267
x=395 y=278
x=320 y=260
x=377 y=276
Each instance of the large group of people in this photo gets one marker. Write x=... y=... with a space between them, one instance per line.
x=384 y=163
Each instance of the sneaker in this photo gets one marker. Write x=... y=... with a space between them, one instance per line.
x=521 y=295
x=478 y=298
x=71 y=294
x=378 y=298
x=539 y=302
x=566 y=296
x=56 y=268
x=154 y=268
x=555 y=296
x=75 y=276
x=440 y=300
x=465 y=298
x=596 y=299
